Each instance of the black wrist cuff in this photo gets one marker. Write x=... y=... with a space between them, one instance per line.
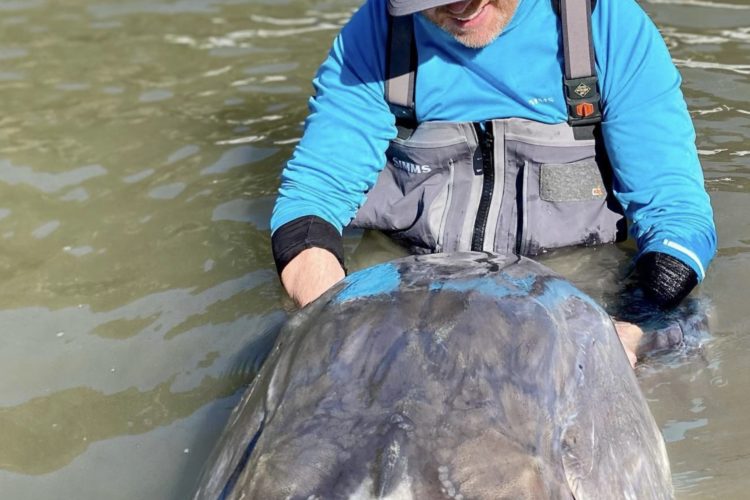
x=292 y=238
x=665 y=280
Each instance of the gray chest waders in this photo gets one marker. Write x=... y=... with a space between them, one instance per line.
x=509 y=185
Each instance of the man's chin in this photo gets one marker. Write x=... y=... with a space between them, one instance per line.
x=475 y=40
x=479 y=29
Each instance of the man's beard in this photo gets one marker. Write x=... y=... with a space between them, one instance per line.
x=500 y=14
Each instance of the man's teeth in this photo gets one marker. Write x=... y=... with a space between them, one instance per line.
x=464 y=19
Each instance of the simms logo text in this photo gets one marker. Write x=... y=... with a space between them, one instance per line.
x=410 y=167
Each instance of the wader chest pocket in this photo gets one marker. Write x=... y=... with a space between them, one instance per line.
x=566 y=205
x=412 y=197
x=579 y=181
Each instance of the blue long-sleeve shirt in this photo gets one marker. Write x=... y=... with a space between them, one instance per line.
x=646 y=126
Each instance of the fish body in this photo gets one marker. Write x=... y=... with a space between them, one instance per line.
x=462 y=376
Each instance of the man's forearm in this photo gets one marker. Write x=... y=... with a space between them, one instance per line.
x=309 y=255
x=310 y=274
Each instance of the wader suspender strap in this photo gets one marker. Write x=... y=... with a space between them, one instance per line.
x=581 y=83
x=401 y=76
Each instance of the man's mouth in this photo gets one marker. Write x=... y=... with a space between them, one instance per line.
x=466 y=21
x=473 y=16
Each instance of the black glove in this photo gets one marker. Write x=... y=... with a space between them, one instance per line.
x=664 y=279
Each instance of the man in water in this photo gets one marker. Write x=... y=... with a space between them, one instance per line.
x=497 y=125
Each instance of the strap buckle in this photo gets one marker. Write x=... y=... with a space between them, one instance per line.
x=583 y=101
x=406 y=120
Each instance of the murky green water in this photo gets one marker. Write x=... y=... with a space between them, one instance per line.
x=140 y=148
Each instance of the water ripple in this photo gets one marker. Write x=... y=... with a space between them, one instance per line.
x=44 y=181
x=241 y=140
x=45 y=229
x=694 y=38
x=264 y=33
x=283 y=22
x=702 y=3
x=238 y=39
x=257 y=212
x=183 y=153
x=156 y=95
x=708 y=37
x=179 y=7
x=78 y=194
x=217 y=72
x=717 y=109
x=742 y=69
x=676 y=430
x=262 y=119
x=11 y=76
x=238 y=157
x=21 y=5
x=167 y=191
x=7 y=53
x=138 y=176
x=740 y=34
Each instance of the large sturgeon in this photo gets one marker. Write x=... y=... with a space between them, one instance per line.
x=462 y=376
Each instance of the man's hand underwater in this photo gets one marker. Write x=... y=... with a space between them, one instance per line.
x=630 y=337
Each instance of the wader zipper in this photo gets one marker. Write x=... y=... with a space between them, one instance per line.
x=520 y=196
x=486 y=145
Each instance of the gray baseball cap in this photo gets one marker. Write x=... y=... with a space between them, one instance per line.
x=405 y=7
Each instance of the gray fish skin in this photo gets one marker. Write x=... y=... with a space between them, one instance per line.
x=462 y=376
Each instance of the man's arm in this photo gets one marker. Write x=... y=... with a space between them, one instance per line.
x=310 y=274
x=650 y=141
x=338 y=159
x=309 y=256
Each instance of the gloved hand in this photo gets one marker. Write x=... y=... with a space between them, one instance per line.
x=664 y=279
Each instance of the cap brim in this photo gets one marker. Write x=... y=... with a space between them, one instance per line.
x=406 y=7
